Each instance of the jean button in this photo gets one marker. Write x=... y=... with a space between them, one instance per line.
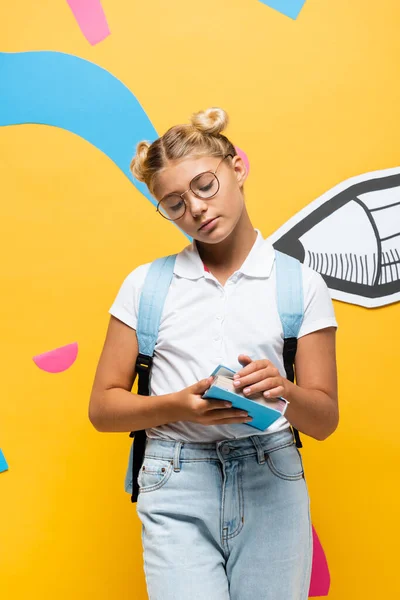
x=225 y=450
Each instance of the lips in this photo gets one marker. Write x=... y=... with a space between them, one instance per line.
x=207 y=222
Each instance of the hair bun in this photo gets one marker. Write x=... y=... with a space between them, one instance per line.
x=137 y=163
x=212 y=121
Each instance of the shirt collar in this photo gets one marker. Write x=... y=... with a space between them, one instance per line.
x=258 y=263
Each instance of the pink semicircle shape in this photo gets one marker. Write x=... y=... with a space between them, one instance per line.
x=58 y=360
x=243 y=155
x=320 y=577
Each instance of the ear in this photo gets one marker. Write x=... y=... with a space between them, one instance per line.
x=239 y=169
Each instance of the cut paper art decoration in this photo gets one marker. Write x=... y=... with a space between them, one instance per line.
x=58 y=360
x=290 y=8
x=60 y=90
x=243 y=155
x=320 y=577
x=57 y=89
x=351 y=236
x=91 y=19
x=3 y=462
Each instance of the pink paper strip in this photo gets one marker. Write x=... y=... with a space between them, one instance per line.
x=320 y=577
x=243 y=155
x=91 y=19
x=57 y=360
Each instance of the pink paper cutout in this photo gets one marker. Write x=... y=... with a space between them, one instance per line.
x=91 y=19
x=57 y=360
x=243 y=155
x=320 y=577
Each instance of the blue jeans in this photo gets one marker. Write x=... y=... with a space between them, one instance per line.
x=227 y=520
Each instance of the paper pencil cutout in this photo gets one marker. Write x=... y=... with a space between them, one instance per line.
x=351 y=235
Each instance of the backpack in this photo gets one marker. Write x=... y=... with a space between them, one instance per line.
x=290 y=303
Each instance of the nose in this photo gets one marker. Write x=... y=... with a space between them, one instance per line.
x=196 y=205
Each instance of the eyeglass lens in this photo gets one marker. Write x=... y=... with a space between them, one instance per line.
x=204 y=185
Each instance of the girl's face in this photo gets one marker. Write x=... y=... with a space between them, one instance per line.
x=224 y=208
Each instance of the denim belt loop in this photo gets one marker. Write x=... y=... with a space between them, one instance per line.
x=177 y=453
x=260 y=450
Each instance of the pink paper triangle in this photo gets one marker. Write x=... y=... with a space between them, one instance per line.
x=320 y=577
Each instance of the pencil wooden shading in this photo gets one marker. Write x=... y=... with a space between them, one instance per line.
x=351 y=235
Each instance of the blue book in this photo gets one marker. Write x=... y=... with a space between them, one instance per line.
x=263 y=412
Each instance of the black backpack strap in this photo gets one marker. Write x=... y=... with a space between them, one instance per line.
x=289 y=353
x=143 y=369
x=290 y=302
x=152 y=298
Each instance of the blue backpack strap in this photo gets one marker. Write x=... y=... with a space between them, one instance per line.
x=289 y=290
x=290 y=301
x=152 y=298
x=151 y=303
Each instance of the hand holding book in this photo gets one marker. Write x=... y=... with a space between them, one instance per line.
x=190 y=405
x=263 y=412
x=259 y=376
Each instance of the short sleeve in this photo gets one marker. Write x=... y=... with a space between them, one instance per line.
x=318 y=307
x=126 y=304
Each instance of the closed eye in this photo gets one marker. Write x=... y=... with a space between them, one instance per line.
x=176 y=207
x=206 y=188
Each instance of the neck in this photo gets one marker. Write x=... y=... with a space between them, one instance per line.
x=231 y=253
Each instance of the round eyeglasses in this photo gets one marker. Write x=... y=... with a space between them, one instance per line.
x=204 y=185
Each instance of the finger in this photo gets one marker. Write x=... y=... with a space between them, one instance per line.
x=263 y=386
x=231 y=413
x=254 y=366
x=244 y=359
x=217 y=404
x=274 y=393
x=202 y=385
x=253 y=378
x=223 y=410
x=250 y=368
x=231 y=420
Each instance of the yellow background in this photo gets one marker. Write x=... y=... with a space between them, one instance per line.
x=312 y=102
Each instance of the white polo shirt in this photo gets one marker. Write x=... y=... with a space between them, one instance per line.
x=205 y=324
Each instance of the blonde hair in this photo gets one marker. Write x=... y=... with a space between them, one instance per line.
x=202 y=136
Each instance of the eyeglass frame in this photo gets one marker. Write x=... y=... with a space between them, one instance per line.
x=193 y=192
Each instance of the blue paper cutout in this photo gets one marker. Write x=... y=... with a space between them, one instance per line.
x=53 y=88
x=62 y=90
x=3 y=462
x=290 y=8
